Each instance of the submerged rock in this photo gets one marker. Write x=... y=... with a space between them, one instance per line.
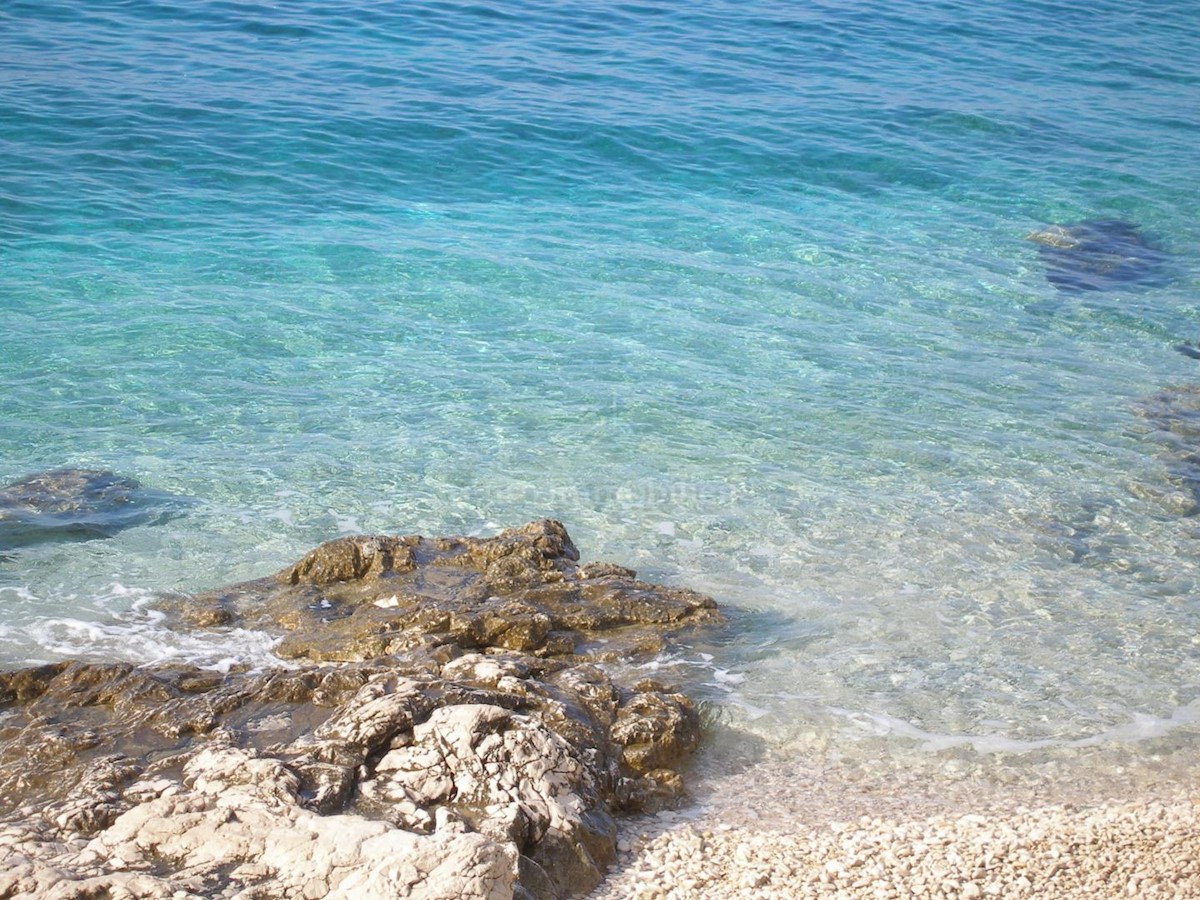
x=1189 y=349
x=450 y=764
x=78 y=504
x=1097 y=255
x=1174 y=416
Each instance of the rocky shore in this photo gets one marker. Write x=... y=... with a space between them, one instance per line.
x=448 y=729
x=455 y=718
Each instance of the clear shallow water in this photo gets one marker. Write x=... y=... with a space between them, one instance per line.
x=738 y=292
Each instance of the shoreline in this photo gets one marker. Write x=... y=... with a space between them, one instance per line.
x=795 y=827
x=463 y=712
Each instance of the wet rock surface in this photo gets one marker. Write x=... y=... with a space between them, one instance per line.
x=472 y=743
x=78 y=504
x=362 y=597
x=1097 y=255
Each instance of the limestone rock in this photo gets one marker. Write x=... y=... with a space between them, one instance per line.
x=489 y=767
x=239 y=826
x=454 y=766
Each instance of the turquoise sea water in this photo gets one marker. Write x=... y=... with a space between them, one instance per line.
x=738 y=291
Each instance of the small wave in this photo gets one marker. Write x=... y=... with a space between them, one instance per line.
x=126 y=629
x=147 y=643
x=1140 y=727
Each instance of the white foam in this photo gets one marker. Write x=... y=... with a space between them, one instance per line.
x=117 y=622
x=145 y=641
x=19 y=592
x=726 y=677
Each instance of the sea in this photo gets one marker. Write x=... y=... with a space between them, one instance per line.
x=741 y=292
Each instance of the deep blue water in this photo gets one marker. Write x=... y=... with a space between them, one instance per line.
x=739 y=291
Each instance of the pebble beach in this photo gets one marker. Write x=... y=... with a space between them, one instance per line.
x=789 y=829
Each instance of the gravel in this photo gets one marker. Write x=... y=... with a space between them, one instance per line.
x=792 y=828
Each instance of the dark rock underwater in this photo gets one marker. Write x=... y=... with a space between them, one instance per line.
x=1098 y=255
x=79 y=504
x=467 y=742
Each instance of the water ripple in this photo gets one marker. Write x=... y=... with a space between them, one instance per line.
x=741 y=292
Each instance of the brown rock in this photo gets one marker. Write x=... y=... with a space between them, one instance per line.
x=470 y=744
x=362 y=598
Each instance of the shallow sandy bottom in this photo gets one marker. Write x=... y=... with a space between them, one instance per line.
x=797 y=826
